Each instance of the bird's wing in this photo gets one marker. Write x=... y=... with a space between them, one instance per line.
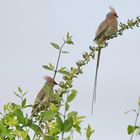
x=41 y=93
x=101 y=29
x=39 y=99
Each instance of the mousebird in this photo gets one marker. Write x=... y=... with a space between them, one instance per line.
x=106 y=29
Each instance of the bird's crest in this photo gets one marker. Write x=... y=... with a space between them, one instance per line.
x=50 y=80
x=112 y=11
x=46 y=77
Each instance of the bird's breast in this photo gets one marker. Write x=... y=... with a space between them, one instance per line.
x=112 y=28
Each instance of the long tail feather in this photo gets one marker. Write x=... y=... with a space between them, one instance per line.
x=95 y=81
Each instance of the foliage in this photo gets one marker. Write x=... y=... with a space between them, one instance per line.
x=57 y=121
x=131 y=129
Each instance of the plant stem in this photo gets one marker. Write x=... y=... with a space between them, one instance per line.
x=64 y=121
x=58 y=59
x=55 y=72
x=135 y=124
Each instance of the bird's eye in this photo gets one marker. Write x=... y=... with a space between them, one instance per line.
x=116 y=15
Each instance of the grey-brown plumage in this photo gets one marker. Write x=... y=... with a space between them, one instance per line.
x=42 y=99
x=106 y=29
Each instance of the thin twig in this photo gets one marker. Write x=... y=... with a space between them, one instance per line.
x=58 y=59
x=135 y=124
x=55 y=72
x=64 y=120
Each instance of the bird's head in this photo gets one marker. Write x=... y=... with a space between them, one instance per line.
x=112 y=13
x=50 y=81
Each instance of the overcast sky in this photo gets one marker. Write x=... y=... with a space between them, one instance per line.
x=28 y=26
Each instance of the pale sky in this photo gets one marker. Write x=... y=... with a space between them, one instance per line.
x=28 y=26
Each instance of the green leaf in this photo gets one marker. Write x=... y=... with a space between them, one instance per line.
x=63 y=70
x=56 y=46
x=68 y=124
x=89 y=131
x=48 y=115
x=69 y=39
x=10 y=121
x=28 y=106
x=17 y=94
x=51 y=138
x=14 y=107
x=24 y=93
x=20 y=116
x=78 y=128
x=60 y=123
x=23 y=103
x=53 y=107
x=6 y=106
x=36 y=128
x=4 y=131
x=130 y=111
x=72 y=114
x=72 y=96
x=70 y=42
x=139 y=101
x=19 y=90
x=67 y=106
x=65 y=52
x=53 y=130
x=130 y=129
x=48 y=67
x=81 y=117
x=51 y=66
x=21 y=134
x=27 y=138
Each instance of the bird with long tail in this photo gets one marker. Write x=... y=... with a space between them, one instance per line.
x=106 y=29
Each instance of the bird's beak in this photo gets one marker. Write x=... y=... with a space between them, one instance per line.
x=55 y=83
x=116 y=15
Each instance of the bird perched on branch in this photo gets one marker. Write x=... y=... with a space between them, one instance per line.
x=105 y=30
x=42 y=99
